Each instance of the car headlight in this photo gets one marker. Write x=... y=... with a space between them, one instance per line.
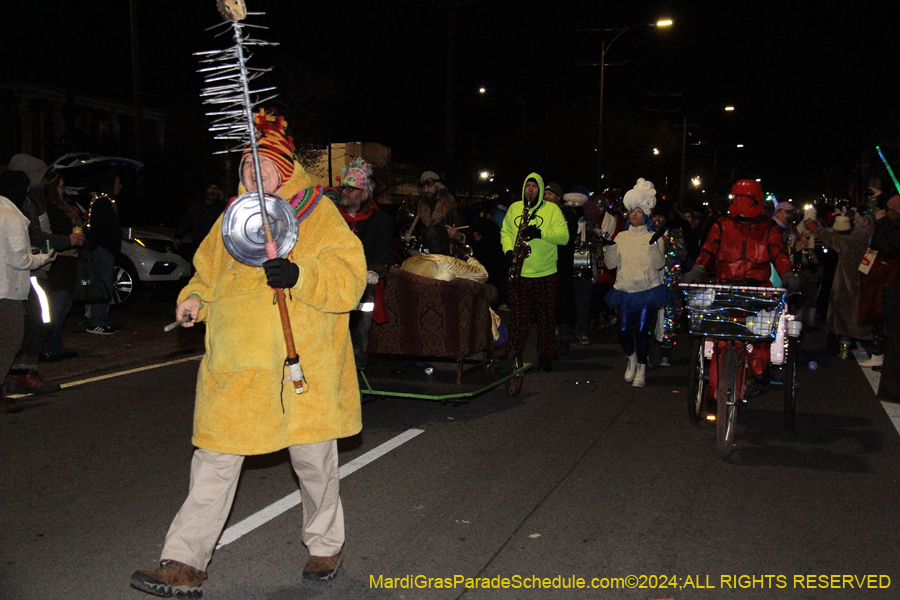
x=163 y=246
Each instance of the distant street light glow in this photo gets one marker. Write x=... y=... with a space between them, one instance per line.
x=656 y=151
x=664 y=23
x=485 y=174
x=729 y=108
x=740 y=145
x=482 y=90
x=696 y=181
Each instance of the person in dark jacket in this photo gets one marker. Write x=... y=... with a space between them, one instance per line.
x=375 y=230
x=200 y=217
x=886 y=241
x=24 y=377
x=487 y=250
x=105 y=236
x=65 y=219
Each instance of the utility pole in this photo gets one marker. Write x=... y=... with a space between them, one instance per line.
x=681 y=179
x=604 y=48
x=451 y=88
x=138 y=96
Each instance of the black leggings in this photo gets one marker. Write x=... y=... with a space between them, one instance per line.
x=643 y=320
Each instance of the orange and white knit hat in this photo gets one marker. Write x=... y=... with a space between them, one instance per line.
x=273 y=144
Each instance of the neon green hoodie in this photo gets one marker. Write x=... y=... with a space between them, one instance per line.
x=549 y=219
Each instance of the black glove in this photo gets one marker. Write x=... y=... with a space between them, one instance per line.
x=695 y=275
x=605 y=240
x=281 y=273
x=791 y=282
x=510 y=258
x=531 y=233
x=659 y=234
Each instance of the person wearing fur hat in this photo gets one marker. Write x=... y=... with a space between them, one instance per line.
x=843 y=305
x=437 y=205
x=243 y=405
x=534 y=294
x=375 y=230
x=742 y=245
x=639 y=290
x=576 y=314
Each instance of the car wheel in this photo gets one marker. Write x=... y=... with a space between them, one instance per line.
x=124 y=285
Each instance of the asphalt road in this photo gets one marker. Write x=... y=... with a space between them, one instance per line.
x=581 y=476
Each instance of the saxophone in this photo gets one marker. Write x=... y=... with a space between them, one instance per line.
x=521 y=249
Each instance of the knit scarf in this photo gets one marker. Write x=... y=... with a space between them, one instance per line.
x=361 y=215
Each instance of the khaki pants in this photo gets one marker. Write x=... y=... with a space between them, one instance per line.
x=198 y=525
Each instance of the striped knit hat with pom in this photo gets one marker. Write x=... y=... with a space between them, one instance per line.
x=274 y=144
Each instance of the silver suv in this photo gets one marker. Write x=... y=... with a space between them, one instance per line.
x=148 y=257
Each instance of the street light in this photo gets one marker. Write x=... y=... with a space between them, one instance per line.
x=604 y=48
x=485 y=90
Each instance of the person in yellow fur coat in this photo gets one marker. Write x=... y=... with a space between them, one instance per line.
x=243 y=405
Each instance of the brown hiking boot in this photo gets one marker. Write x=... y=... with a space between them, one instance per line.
x=322 y=568
x=172 y=578
x=29 y=383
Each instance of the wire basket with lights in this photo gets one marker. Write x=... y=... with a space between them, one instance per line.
x=733 y=311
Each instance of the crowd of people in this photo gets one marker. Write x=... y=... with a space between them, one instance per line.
x=570 y=263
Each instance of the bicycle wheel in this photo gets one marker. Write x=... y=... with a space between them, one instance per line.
x=790 y=384
x=726 y=399
x=697 y=383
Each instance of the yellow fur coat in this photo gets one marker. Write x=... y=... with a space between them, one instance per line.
x=240 y=387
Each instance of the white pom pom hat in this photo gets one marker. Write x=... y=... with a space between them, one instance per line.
x=642 y=196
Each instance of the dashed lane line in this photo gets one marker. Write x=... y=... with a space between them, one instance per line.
x=275 y=509
x=258 y=519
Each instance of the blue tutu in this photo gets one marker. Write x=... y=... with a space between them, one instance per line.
x=655 y=297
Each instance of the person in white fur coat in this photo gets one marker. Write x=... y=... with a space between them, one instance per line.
x=639 y=290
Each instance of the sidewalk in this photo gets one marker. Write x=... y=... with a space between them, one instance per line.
x=139 y=340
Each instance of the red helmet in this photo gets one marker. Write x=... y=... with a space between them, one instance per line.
x=747 y=199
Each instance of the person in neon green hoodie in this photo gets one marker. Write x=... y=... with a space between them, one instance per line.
x=534 y=294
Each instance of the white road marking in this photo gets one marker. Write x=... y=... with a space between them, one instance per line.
x=119 y=374
x=874 y=378
x=293 y=499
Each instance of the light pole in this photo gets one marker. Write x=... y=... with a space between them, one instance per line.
x=604 y=48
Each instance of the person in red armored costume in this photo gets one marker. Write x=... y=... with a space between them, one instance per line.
x=742 y=245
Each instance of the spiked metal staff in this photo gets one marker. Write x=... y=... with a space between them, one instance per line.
x=227 y=82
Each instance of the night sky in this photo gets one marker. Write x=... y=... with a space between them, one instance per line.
x=814 y=84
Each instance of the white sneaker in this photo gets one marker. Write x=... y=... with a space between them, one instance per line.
x=631 y=368
x=640 y=376
x=664 y=362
